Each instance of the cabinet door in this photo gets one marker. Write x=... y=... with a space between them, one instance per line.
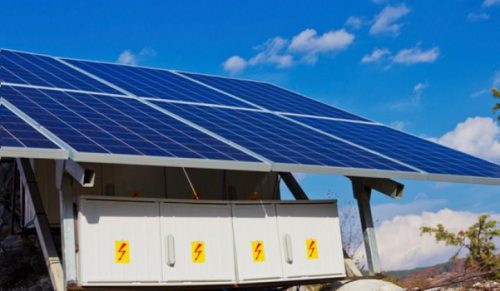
x=258 y=252
x=118 y=242
x=197 y=242
x=310 y=234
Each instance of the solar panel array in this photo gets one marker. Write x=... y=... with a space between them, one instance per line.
x=14 y=132
x=123 y=114
x=17 y=136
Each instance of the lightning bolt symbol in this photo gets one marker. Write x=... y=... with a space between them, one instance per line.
x=198 y=251
x=122 y=251
x=258 y=250
x=311 y=248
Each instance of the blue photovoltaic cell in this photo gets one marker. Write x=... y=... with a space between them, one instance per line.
x=104 y=124
x=157 y=83
x=272 y=97
x=279 y=140
x=14 y=132
x=30 y=69
x=420 y=153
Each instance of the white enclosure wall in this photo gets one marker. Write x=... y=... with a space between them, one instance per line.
x=134 y=241
x=313 y=233
x=202 y=242
x=258 y=249
x=157 y=182
x=118 y=241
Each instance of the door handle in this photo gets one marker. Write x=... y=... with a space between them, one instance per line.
x=287 y=242
x=170 y=247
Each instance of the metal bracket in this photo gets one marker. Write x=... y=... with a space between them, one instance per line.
x=388 y=187
x=85 y=177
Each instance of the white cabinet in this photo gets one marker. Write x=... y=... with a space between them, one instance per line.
x=310 y=235
x=118 y=241
x=258 y=252
x=161 y=242
x=197 y=243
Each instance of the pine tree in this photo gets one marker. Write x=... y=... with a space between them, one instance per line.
x=478 y=239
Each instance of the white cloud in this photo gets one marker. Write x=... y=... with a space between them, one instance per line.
x=488 y=3
x=354 y=22
x=281 y=52
x=415 y=55
x=235 y=64
x=382 y=212
x=400 y=245
x=496 y=79
x=376 y=55
x=478 y=136
x=408 y=56
x=127 y=57
x=479 y=93
x=386 y=21
x=398 y=124
x=309 y=43
x=473 y=16
x=419 y=87
x=414 y=101
x=271 y=53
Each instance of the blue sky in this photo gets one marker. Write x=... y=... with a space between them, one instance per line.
x=422 y=66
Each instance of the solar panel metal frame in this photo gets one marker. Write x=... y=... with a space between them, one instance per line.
x=58 y=60
x=31 y=152
x=266 y=165
x=186 y=75
x=423 y=175
x=79 y=156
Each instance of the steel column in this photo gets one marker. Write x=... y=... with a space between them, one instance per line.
x=67 y=218
x=362 y=194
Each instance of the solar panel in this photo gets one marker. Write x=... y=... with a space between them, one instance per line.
x=37 y=70
x=280 y=140
x=203 y=121
x=272 y=97
x=157 y=84
x=420 y=153
x=117 y=126
x=19 y=139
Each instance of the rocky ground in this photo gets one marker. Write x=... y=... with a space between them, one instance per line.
x=22 y=266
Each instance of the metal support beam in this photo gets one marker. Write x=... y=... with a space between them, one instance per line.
x=388 y=187
x=362 y=194
x=42 y=225
x=67 y=218
x=299 y=194
x=293 y=186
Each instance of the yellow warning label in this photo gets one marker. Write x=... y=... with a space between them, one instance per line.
x=311 y=249
x=258 y=254
x=198 y=252
x=122 y=252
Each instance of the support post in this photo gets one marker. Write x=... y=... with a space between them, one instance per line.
x=299 y=194
x=362 y=194
x=13 y=201
x=293 y=186
x=67 y=217
x=42 y=225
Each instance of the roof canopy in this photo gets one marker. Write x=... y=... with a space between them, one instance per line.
x=59 y=108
